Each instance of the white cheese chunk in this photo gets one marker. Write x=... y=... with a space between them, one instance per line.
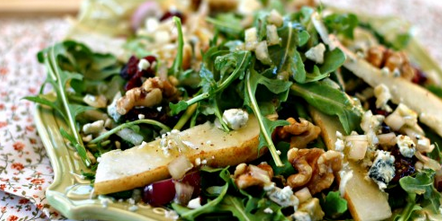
x=94 y=127
x=316 y=53
x=382 y=171
x=235 y=118
x=309 y=211
x=251 y=39
x=383 y=95
x=406 y=145
x=194 y=203
x=283 y=197
x=143 y=64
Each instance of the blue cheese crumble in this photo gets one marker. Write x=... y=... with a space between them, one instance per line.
x=406 y=145
x=235 y=118
x=283 y=197
x=382 y=171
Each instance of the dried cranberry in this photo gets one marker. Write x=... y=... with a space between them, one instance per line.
x=133 y=83
x=171 y=13
x=404 y=166
x=134 y=76
x=130 y=68
x=150 y=71
x=419 y=77
x=381 y=112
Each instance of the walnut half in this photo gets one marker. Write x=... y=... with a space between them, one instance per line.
x=251 y=175
x=300 y=133
x=151 y=93
x=316 y=168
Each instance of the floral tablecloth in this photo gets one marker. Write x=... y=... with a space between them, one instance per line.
x=25 y=170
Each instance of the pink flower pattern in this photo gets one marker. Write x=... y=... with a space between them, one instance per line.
x=25 y=170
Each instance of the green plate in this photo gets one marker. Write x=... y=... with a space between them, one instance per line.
x=73 y=196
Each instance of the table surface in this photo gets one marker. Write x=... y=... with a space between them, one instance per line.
x=25 y=170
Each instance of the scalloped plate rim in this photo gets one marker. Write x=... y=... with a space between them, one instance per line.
x=77 y=209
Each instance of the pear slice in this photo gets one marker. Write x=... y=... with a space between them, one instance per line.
x=366 y=201
x=141 y=165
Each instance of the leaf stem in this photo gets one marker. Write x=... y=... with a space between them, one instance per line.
x=126 y=125
x=222 y=86
x=267 y=137
x=186 y=116
x=55 y=69
x=177 y=63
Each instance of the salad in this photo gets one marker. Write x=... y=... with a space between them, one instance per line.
x=251 y=110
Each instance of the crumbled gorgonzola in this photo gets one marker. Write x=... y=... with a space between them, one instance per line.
x=316 y=53
x=143 y=64
x=382 y=171
x=283 y=197
x=94 y=127
x=235 y=118
x=370 y=124
x=383 y=95
x=406 y=145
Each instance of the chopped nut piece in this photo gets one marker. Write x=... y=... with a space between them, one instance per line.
x=375 y=56
x=251 y=175
x=148 y=95
x=300 y=134
x=315 y=168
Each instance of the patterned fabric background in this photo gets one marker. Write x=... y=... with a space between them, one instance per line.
x=25 y=170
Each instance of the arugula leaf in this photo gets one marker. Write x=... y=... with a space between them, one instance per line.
x=130 y=124
x=326 y=96
x=287 y=169
x=409 y=209
x=334 y=204
x=292 y=35
x=45 y=100
x=77 y=57
x=228 y=24
x=267 y=126
x=73 y=142
x=332 y=61
x=228 y=199
x=70 y=64
x=59 y=79
x=423 y=184
x=237 y=61
x=342 y=24
x=177 y=66
x=209 y=207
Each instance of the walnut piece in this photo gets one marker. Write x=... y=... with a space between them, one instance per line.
x=251 y=175
x=394 y=61
x=300 y=133
x=151 y=93
x=316 y=168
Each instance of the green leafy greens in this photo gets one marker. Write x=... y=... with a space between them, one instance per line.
x=225 y=198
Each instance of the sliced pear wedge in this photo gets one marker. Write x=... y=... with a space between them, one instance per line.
x=139 y=166
x=366 y=201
